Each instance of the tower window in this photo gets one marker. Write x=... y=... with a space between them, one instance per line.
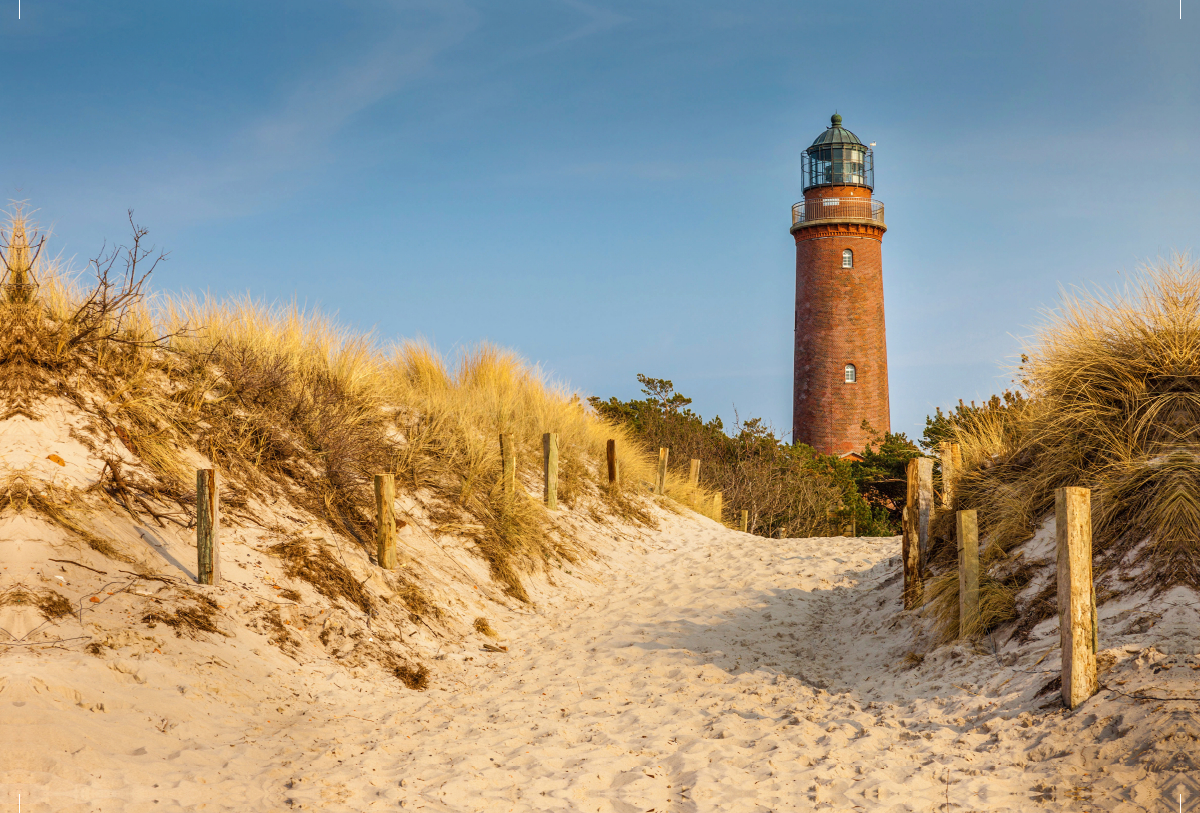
x=847 y=262
x=851 y=374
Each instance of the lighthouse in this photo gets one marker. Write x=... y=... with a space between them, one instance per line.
x=840 y=373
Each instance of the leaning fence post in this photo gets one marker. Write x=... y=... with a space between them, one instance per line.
x=660 y=483
x=508 y=464
x=611 y=453
x=208 y=528
x=910 y=552
x=550 y=465
x=1076 y=610
x=694 y=473
x=718 y=509
x=924 y=505
x=968 y=573
x=385 y=520
x=745 y=523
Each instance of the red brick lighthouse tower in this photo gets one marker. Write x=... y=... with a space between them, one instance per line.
x=841 y=349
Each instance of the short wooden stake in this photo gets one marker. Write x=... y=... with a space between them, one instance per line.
x=956 y=467
x=1076 y=608
x=694 y=473
x=208 y=528
x=745 y=524
x=550 y=464
x=611 y=453
x=948 y=475
x=968 y=573
x=660 y=483
x=910 y=552
x=919 y=501
x=508 y=464
x=718 y=509
x=385 y=520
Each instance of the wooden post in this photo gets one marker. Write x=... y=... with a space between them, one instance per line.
x=956 y=465
x=920 y=475
x=611 y=452
x=508 y=464
x=660 y=483
x=968 y=573
x=694 y=474
x=385 y=520
x=910 y=552
x=947 y=475
x=208 y=528
x=1076 y=625
x=718 y=509
x=745 y=520
x=550 y=461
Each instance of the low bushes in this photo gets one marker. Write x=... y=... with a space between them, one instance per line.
x=784 y=488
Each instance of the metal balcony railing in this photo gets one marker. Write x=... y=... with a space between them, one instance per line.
x=837 y=209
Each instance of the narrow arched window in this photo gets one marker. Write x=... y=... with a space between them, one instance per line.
x=851 y=374
x=847 y=259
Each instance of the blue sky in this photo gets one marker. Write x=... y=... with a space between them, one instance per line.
x=606 y=187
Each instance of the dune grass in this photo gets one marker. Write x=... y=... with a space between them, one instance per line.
x=288 y=404
x=1113 y=404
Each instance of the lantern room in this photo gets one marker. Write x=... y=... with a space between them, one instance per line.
x=837 y=158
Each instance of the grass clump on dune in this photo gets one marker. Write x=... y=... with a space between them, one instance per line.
x=286 y=404
x=1112 y=403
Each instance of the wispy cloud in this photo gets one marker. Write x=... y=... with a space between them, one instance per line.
x=597 y=21
x=295 y=134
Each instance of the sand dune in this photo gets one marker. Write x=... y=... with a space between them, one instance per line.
x=688 y=668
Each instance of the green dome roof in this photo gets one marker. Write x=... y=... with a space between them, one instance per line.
x=836 y=134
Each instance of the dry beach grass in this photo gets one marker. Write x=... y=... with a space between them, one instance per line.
x=623 y=653
x=1112 y=383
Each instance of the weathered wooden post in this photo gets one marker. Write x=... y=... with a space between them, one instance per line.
x=550 y=464
x=968 y=573
x=508 y=464
x=957 y=466
x=718 y=508
x=919 y=501
x=660 y=482
x=947 y=474
x=694 y=473
x=910 y=554
x=745 y=523
x=611 y=453
x=208 y=528
x=1076 y=608
x=924 y=507
x=385 y=520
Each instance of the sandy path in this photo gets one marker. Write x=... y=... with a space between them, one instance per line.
x=712 y=671
x=697 y=669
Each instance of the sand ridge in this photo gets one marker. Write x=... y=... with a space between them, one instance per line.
x=687 y=668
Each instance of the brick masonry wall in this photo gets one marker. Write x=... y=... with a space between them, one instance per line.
x=839 y=320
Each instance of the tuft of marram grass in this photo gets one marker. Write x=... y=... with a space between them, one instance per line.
x=1113 y=386
x=484 y=628
x=286 y=403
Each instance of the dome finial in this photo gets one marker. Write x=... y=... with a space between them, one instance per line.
x=835 y=120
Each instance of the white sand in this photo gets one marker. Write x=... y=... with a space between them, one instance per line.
x=702 y=670
x=690 y=668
